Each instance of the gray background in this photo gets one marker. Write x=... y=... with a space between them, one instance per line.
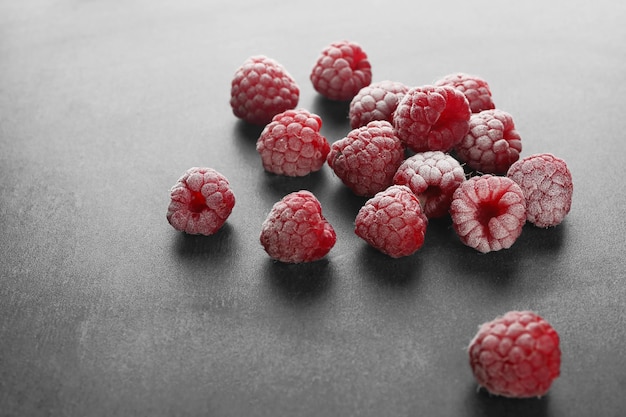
x=107 y=310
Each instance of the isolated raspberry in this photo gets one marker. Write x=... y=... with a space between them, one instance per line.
x=262 y=88
x=292 y=144
x=376 y=101
x=295 y=230
x=341 y=71
x=475 y=89
x=488 y=212
x=433 y=176
x=201 y=201
x=392 y=222
x=492 y=143
x=547 y=185
x=432 y=118
x=367 y=159
x=516 y=355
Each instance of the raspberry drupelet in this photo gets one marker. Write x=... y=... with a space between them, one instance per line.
x=367 y=159
x=201 y=201
x=341 y=71
x=392 y=222
x=474 y=88
x=292 y=145
x=516 y=355
x=433 y=176
x=295 y=231
x=488 y=212
x=376 y=101
x=430 y=118
x=492 y=143
x=262 y=88
x=547 y=185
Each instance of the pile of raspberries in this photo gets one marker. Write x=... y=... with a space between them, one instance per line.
x=417 y=153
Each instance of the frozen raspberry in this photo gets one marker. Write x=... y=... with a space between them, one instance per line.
x=516 y=355
x=492 y=143
x=262 y=88
x=295 y=230
x=432 y=118
x=547 y=185
x=475 y=89
x=392 y=222
x=292 y=144
x=433 y=176
x=376 y=101
x=367 y=158
x=201 y=201
x=488 y=212
x=341 y=71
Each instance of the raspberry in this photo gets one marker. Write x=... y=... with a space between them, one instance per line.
x=376 y=101
x=341 y=71
x=433 y=176
x=295 y=230
x=492 y=143
x=547 y=185
x=262 y=88
x=367 y=158
x=488 y=212
x=432 y=118
x=516 y=355
x=475 y=89
x=201 y=201
x=292 y=145
x=392 y=222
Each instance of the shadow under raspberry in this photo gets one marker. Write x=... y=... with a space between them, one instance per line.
x=281 y=185
x=334 y=114
x=387 y=272
x=542 y=240
x=214 y=248
x=482 y=404
x=298 y=284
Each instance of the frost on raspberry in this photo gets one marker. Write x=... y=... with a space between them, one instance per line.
x=367 y=159
x=547 y=185
x=201 y=201
x=376 y=101
x=430 y=118
x=516 y=355
x=392 y=222
x=292 y=145
x=295 y=231
x=433 y=176
x=474 y=88
x=341 y=71
x=492 y=144
x=262 y=88
x=488 y=212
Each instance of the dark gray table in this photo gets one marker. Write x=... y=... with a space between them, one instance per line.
x=107 y=310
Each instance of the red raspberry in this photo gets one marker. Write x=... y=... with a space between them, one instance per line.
x=547 y=185
x=201 y=201
x=292 y=145
x=492 y=143
x=488 y=212
x=367 y=158
x=392 y=222
x=432 y=118
x=475 y=89
x=262 y=88
x=295 y=230
x=433 y=176
x=341 y=71
x=516 y=355
x=376 y=101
